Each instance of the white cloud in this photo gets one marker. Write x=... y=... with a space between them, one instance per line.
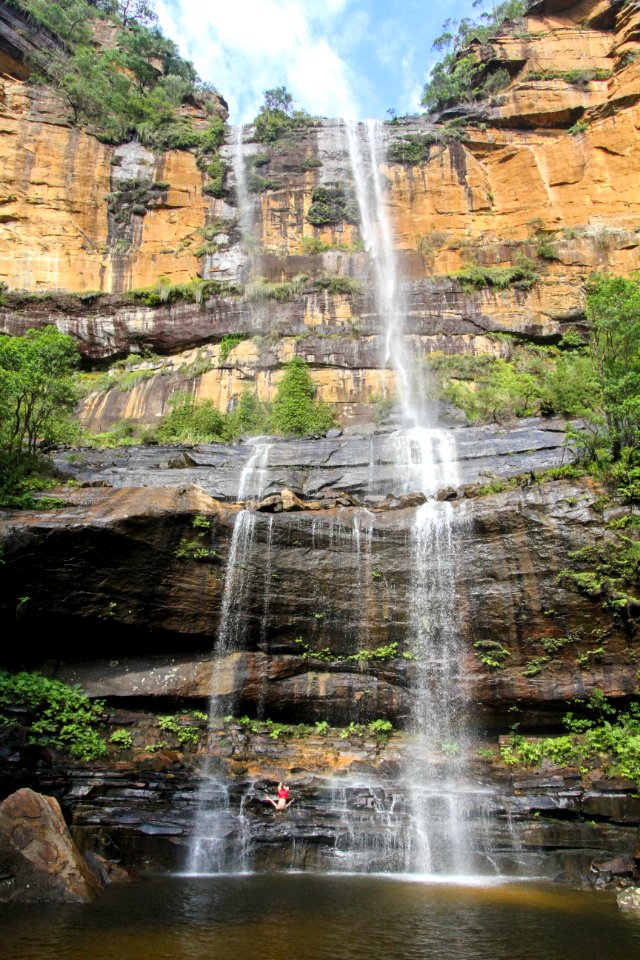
x=244 y=47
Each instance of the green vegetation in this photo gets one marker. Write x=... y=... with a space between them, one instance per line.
x=261 y=289
x=58 y=716
x=313 y=245
x=194 y=547
x=191 y=421
x=37 y=391
x=613 y=312
x=522 y=275
x=134 y=197
x=296 y=409
x=602 y=736
x=491 y=653
x=37 y=398
x=121 y=738
x=178 y=726
x=122 y=376
x=578 y=127
x=568 y=472
x=133 y=88
x=412 y=149
x=577 y=76
x=610 y=573
x=461 y=76
x=228 y=343
x=331 y=205
x=529 y=381
x=337 y=283
x=380 y=729
x=194 y=291
x=277 y=116
x=381 y=654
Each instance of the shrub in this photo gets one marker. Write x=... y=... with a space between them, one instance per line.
x=460 y=76
x=295 y=408
x=121 y=738
x=330 y=205
x=522 y=276
x=337 y=283
x=191 y=421
x=277 y=116
x=261 y=289
x=413 y=149
x=60 y=716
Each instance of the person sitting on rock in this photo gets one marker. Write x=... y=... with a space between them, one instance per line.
x=281 y=804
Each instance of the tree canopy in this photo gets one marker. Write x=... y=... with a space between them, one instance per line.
x=131 y=88
x=460 y=77
x=613 y=311
x=37 y=390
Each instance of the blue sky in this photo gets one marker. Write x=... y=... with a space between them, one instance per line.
x=352 y=58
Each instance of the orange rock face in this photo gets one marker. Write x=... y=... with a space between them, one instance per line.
x=54 y=187
x=546 y=170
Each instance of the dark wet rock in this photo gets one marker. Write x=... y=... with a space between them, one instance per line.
x=334 y=579
x=106 y=871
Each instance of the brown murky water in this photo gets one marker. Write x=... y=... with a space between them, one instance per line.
x=316 y=917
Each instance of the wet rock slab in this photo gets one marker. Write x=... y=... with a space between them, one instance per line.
x=367 y=465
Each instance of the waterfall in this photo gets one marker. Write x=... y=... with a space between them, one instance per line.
x=426 y=461
x=243 y=199
x=220 y=838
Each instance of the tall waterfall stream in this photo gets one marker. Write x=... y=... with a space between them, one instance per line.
x=442 y=831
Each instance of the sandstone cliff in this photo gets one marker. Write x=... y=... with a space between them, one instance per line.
x=545 y=171
x=566 y=127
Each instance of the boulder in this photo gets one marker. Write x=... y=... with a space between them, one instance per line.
x=38 y=859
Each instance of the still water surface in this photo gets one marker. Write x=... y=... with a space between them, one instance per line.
x=306 y=917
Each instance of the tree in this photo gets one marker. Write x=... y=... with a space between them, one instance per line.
x=613 y=311
x=460 y=76
x=278 y=98
x=276 y=115
x=37 y=391
x=295 y=408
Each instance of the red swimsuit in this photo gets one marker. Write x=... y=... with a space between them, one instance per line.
x=283 y=794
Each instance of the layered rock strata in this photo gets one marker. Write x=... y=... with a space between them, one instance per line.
x=463 y=203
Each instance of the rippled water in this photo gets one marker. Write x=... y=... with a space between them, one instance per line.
x=317 y=917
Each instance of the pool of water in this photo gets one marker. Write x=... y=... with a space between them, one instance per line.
x=304 y=917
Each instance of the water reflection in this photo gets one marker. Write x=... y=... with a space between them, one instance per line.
x=318 y=917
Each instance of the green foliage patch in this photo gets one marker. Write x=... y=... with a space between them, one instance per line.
x=135 y=87
x=413 y=149
x=296 y=409
x=337 y=283
x=58 y=715
x=277 y=116
x=461 y=76
x=380 y=729
x=522 y=275
x=529 y=381
x=193 y=291
x=332 y=205
x=602 y=736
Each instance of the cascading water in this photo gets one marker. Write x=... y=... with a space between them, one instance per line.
x=219 y=838
x=243 y=200
x=441 y=805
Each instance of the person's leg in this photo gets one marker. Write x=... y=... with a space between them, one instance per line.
x=272 y=802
